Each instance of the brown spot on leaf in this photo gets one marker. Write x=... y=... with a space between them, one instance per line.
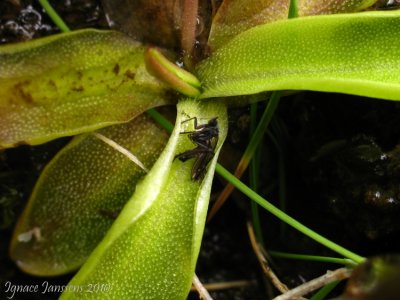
x=52 y=83
x=80 y=74
x=130 y=74
x=77 y=88
x=24 y=95
x=116 y=69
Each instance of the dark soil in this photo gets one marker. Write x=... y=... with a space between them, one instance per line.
x=342 y=167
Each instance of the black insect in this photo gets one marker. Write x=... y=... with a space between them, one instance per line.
x=205 y=137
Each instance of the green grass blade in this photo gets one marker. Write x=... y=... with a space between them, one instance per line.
x=54 y=16
x=324 y=291
x=254 y=171
x=293 y=9
x=316 y=258
x=160 y=119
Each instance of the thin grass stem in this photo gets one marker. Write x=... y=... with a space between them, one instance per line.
x=324 y=291
x=317 y=258
x=293 y=9
x=54 y=16
x=254 y=177
x=160 y=119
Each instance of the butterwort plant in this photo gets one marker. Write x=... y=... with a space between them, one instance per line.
x=125 y=201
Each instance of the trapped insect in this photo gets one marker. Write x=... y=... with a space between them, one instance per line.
x=205 y=137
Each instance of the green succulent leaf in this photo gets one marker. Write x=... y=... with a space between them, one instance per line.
x=348 y=53
x=77 y=194
x=151 y=250
x=72 y=83
x=316 y=7
x=231 y=19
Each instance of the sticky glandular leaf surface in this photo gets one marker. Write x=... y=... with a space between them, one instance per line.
x=79 y=194
x=347 y=53
x=72 y=83
x=150 y=252
x=232 y=19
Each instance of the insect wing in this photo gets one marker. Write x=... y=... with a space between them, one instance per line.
x=200 y=165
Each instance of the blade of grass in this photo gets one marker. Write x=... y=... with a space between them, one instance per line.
x=54 y=16
x=254 y=177
x=279 y=140
x=160 y=119
x=293 y=9
x=316 y=258
x=324 y=291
